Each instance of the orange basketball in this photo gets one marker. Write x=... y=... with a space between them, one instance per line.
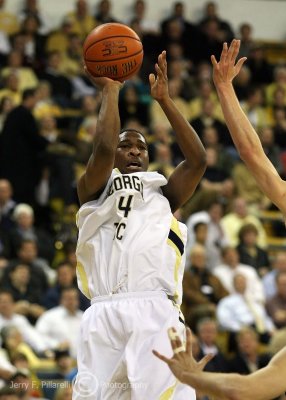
x=113 y=50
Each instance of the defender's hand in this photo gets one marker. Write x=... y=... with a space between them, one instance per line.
x=226 y=69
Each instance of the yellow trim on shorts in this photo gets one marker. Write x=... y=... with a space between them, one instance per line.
x=169 y=393
x=83 y=279
x=176 y=229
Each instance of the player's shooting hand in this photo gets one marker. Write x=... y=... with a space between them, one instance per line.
x=182 y=361
x=159 y=82
x=101 y=82
x=227 y=68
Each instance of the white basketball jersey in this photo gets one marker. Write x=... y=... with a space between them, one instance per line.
x=129 y=241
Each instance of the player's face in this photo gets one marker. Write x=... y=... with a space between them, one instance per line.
x=132 y=153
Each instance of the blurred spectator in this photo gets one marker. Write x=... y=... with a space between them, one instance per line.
x=58 y=39
x=207 y=119
x=238 y=310
x=254 y=108
x=62 y=323
x=6 y=393
x=6 y=369
x=208 y=337
x=269 y=280
x=81 y=19
x=270 y=148
x=214 y=175
x=279 y=128
x=147 y=26
x=8 y=21
x=242 y=83
x=103 y=13
x=249 y=252
x=12 y=341
x=233 y=221
x=26 y=76
x=20 y=141
x=63 y=393
x=71 y=60
x=61 y=86
x=246 y=39
x=225 y=32
x=249 y=358
x=34 y=42
x=66 y=278
x=31 y=7
x=7 y=206
x=261 y=69
x=231 y=266
x=279 y=82
x=248 y=189
x=276 y=305
x=204 y=92
x=8 y=317
x=156 y=113
x=46 y=105
x=25 y=229
x=22 y=382
x=11 y=88
x=201 y=289
x=130 y=106
x=216 y=237
x=6 y=105
x=163 y=160
x=225 y=158
x=26 y=293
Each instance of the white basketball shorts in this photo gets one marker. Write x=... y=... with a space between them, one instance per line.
x=115 y=359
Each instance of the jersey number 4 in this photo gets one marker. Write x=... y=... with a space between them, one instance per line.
x=124 y=205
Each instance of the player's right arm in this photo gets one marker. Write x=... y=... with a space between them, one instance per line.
x=105 y=141
x=244 y=136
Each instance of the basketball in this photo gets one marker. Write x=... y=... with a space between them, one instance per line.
x=113 y=50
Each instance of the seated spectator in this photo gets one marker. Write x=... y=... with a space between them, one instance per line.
x=248 y=358
x=6 y=105
x=238 y=310
x=7 y=206
x=279 y=128
x=201 y=289
x=270 y=147
x=214 y=175
x=208 y=335
x=31 y=7
x=66 y=277
x=261 y=69
x=279 y=82
x=131 y=106
x=163 y=162
x=211 y=13
x=231 y=266
x=81 y=19
x=23 y=384
x=246 y=39
x=103 y=13
x=253 y=107
x=276 y=305
x=61 y=86
x=216 y=237
x=242 y=83
x=25 y=229
x=269 y=280
x=249 y=252
x=13 y=342
x=62 y=323
x=234 y=220
x=34 y=41
x=205 y=92
x=6 y=370
x=11 y=89
x=8 y=317
x=6 y=393
x=26 y=294
x=208 y=119
x=26 y=76
x=8 y=21
x=45 y=103
x=64 y=368
x=62 y=393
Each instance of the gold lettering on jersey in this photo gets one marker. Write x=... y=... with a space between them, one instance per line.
x=121 y=182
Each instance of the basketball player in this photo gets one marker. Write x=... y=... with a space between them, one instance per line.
x=264 y=384
x=130 y=253
x=269 y=381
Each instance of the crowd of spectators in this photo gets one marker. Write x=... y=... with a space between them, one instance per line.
x=234 y=289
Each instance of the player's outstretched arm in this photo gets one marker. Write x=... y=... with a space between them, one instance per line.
x=243 y=134
x=105 y=141
x=264 y=384
x=187 y=175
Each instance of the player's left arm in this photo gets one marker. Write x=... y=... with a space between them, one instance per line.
x=187 y=174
